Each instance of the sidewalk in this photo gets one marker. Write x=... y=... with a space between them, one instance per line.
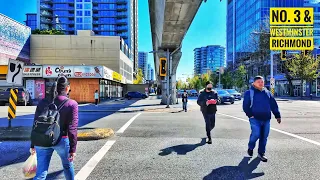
x=289 y=98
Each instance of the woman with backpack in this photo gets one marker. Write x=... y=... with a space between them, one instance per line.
x=60 y=135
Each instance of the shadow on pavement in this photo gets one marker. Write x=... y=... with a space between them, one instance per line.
x=182 y=149
x=243 y=171
x=52 y=175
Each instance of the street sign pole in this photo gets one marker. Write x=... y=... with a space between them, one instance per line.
x=168 y=76
x=271 y=71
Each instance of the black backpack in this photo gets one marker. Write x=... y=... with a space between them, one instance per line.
x=46 y=128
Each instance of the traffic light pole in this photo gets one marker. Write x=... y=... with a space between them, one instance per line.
x=168 y=77
x=271 y=71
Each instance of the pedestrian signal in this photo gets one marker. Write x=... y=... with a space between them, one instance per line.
x=163 y=67
x=283 y=55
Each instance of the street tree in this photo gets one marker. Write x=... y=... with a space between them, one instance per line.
x=239 y=77
x=303 y=67
x=139 y=77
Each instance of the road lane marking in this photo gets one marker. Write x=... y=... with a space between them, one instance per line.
x=278 y=130
x=124 y=127
x=93 y=162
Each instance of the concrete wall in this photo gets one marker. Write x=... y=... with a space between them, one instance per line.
x=84 y=48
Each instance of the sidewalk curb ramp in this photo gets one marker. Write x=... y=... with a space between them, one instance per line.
x=23 y=133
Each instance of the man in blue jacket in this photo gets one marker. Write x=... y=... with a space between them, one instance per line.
x=258 y=104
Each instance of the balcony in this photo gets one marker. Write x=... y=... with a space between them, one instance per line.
x=45 y=7
x=122 y=8
x=122 y=15
x=101 y=1
x=64 y=2
x=46 y=1
x=45 y=14
x=121 y=2
x=122 y=29
x=122 y=22
x=46 y=21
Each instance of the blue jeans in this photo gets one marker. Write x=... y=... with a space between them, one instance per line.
x=259 y=130
x=44 y=156
x=210 y=120
x=184 y=105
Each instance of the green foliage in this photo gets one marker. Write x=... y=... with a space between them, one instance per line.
x=303 y=67
x=139 y=77
x=48 y=32
x=239 y=77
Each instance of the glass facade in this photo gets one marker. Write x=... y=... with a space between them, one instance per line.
x=316 y=6
x=208 y=58
x=31 y=21
x=142 y=62
x=104 y=17
x=110 y=89
x=248 y=16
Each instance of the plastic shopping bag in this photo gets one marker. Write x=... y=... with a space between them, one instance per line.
x=29 y=167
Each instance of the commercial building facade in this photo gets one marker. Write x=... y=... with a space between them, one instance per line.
x=243 y=18
x=84 y=48
x=14 y=44
x=84 y=81
x=143 y=63
x=104 y=17
x=209 y=58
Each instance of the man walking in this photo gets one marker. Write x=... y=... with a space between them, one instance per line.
x=184 y=100
x=96 y=97
x=208 y=103
x=258 y=104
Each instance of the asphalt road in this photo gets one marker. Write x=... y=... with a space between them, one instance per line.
x=165 y=145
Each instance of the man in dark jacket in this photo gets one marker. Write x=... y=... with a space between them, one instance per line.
x=258 y=104
x=208 y=103
x=185 y=100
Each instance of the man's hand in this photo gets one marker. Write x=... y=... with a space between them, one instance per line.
x=279 y=120
x=72 y=156
x=32 y=151
x=208 y=103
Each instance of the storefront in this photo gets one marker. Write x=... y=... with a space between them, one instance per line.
x=34 y=82
x=111 y=86
x=85 y=80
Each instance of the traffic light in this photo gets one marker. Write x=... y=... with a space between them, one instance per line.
x=163 y=67
x=217 y=72
x=283 y=55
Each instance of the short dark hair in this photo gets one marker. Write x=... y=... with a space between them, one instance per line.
x=257 y=78
x=208 y=82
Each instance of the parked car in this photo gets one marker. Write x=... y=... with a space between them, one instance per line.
x=135 y=94
x=235 y=93
x=193 y=93
x=22 y=99
x=180 y=92
x=224 y=97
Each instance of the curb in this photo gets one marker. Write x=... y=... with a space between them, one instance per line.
x=95 y=134
x=127 y=111
x=83 y=135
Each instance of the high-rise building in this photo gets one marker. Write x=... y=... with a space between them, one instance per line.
x=31 y=20
x=143 y=63
x=104 y=17
x=243 y=18
x=209 y=58
x=316 y=33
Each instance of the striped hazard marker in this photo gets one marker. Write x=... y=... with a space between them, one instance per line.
x=12 y=104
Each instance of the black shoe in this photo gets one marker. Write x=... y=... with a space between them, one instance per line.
x=209 y=141
x=250 y=152
x=262 y=157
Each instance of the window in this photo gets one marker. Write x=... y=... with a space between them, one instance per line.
x=79 y=20
x=79 y=13
x=87 y=20
x=87 y=6
x=87 y=0
x=79 y=6
x=79 y=0
x=87 y=13
x=79 y=26
x=87 y=27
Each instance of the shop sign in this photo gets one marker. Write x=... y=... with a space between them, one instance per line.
x=107 y=73
x=88 y=72
x=56 y=71
x=116 y=76
x=32 y=71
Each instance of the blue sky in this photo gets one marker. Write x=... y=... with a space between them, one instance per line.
x=208 y=28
